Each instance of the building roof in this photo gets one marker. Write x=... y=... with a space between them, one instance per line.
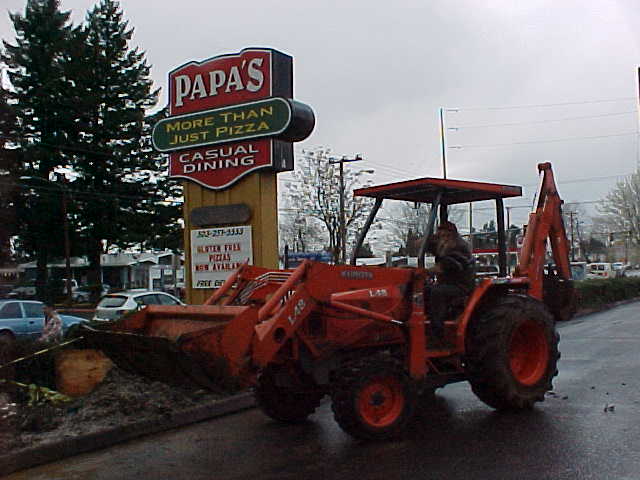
x=106 y=260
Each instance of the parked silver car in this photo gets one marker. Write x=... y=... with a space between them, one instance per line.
x=115 y=305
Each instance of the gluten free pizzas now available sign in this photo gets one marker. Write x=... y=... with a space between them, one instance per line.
x=217 y=252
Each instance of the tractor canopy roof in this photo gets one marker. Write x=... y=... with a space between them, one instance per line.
x=425 y=190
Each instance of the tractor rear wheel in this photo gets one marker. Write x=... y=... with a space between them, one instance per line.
x=512 y=353
x=292 y=403
x=373 y=398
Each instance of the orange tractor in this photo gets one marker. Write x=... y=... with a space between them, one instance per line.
x=360 y=334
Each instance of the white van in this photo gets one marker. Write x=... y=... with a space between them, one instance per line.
x=600 y=270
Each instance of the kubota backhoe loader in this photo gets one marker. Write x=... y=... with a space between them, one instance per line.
x=360 y=334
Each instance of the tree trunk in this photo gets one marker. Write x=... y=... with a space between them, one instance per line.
x=94 y=277
x=42 y=257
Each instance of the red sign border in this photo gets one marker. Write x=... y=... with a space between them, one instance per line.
x=276 y=146
x=270 y=51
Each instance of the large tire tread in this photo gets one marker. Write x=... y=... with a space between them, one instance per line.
x=285 y=404
x=355 y=376
x=487 y=361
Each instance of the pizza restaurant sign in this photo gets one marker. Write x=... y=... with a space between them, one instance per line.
x=231 y=115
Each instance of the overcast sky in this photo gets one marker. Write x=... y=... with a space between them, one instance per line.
x=525 y=78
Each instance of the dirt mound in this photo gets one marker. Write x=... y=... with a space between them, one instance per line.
x=122 y=398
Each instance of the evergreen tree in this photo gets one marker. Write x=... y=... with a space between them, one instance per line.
x=165 y=227
x=155 y=222
x=36 y=72
x=8 y=181
x=113 y=86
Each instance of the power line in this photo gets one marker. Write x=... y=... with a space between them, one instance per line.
x=568 y=139
x=538 y=122
x=583 y=180
x=542 y=105
x=78 y=193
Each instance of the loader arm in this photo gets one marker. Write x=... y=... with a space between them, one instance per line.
x=545 y=222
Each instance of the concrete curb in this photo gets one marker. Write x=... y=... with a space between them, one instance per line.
x=50 y=452
x=602 y=308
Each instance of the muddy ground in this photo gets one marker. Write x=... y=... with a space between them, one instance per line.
x=122 y=398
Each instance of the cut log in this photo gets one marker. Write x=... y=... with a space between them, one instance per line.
x=78 y=372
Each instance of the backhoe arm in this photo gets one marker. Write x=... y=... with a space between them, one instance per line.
x=545 y=222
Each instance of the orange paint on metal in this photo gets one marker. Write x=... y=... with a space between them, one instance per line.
x=381 y=402
x=226 y=286
x=544 y=223
x=417 y=333
x=472 y=304
x=362 y=311
x=475 y=299
x=277 y=297
x=528 y=353
x=273 y=334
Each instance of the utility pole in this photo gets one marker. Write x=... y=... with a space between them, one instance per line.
x=444 y=155
x=573 y=255
x=67 y=245
x=471 y=226
x=342 y=229
x=508 y=239
x=582 y=247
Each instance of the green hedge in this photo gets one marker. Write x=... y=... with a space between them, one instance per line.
x=596 y=293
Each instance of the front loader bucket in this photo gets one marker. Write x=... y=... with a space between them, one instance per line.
x=191 y=345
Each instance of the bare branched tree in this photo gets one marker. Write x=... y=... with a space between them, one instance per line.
x=405 y=223
x=314 y=194
x=298 y=231
x=620 y=210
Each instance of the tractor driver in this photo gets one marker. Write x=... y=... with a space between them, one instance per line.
x=454 y=270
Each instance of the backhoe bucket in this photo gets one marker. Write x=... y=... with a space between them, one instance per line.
x=185 y=345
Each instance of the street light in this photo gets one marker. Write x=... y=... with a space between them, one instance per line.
x=342 y=233
x=65 y=224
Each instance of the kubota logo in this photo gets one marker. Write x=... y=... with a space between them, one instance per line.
x=297 y=310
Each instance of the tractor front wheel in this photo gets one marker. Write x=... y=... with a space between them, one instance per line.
x=373 y=398
x=512 y=353
x=283 y=397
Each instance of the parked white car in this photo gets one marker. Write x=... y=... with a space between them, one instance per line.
x=114 y=305
x=82 y=294
x=23 y=291
x=600 y=270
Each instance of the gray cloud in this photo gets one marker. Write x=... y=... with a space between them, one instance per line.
x=376 y=74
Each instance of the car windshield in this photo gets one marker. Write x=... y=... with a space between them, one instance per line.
x=112 y=301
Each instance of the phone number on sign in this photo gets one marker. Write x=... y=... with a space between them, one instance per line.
x=220 y=232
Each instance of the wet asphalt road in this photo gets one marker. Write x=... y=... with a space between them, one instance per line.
x=569 y=436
